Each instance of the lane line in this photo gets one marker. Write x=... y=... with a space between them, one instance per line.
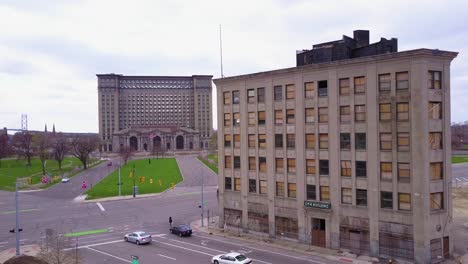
x=3 y=242
x=97 y=244
x=184 y=248
x=110 y=255
x=166 y=257
x=101 y=207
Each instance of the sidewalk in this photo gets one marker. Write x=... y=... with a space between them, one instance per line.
x=331 y=254
x=30 y=250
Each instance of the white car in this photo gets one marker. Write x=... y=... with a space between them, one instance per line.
x=65 y=180
x=233 y=257
x=138 y=237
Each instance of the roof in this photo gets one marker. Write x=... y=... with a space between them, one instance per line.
x=388 y=56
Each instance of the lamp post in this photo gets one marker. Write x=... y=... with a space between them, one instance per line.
x=133 y=173
x=120 y=183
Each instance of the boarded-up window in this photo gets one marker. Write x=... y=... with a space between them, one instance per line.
x=385 y=112
x=291 y=165
x=258 y=222
x=402 y=111
x=386 y=170
x=360 y=113
x=437 y=201
x=310 y=141
x=345 y=113
x=435 y=140
x=291 y=190
x=263 y=186
x=309 y=115
x=325 y=193
x=434 y=80
x=278 y=117
x=385 y=141
x=396 y=240
x=279 y=188
x=402 y=80
x=344 y=86
x=227 y=120
x=252 y=119
x=404 y=172
x=236 y=120
x=232 y=217
x=227 y=162
x=237 y=141
x=227 y=140
x=252 y=141
x=251 y=96
x=404 y=201
x=436 y=249
x=360 y=84
x=384 y=82
x=310 y=166
x=346 y=196
x=346 y=168
x=323 y=114
x=403 y=141
x=309 y=90
x=279 y=164
x=290 y=116
x=435 y=110
x=227 y=98
x=290 y=91
x=262 y=141
x=262 y=165
x=291 y=141
x=323 y=141
x=286 y=227
x=261 y=118
x=436 y=171
x=237 y=184
x=252 y=163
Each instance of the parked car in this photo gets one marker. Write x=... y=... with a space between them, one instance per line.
x=65 y=180
x=232 y=257
x=138 y=237
x=109 y=163
x=181 y=230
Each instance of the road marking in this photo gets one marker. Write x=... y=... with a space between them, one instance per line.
x=166 y=257
x=3 y=242
x=193 y=250
x=14 y=211
x=88 y=232
x=24 y=239
x=464 y=178
x=110 y=255
x=100 y=207
x=97 y=244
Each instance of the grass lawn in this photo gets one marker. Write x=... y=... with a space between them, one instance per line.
x=12 y=168
x=212 y=166
x=459 y=159
x=164 y=170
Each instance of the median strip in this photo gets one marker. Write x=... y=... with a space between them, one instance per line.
x=84 y=233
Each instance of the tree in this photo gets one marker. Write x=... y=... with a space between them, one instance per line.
x=82 y=146
x=126 y=153
x=23 y=145
x=213 y=145
x=41 y=145
x=53 y=249
x=60 y=148
x=5 y=146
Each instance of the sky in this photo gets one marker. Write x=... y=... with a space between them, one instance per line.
x=51 y=51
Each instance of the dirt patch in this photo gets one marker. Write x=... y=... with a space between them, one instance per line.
x=460 y=202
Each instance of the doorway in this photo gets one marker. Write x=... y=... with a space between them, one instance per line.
x=318 y=232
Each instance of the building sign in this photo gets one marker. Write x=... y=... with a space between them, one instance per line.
x=319 y=205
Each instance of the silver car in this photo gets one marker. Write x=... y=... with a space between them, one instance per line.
x=138 y=237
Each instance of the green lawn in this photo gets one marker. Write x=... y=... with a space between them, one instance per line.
x=12 y=168
x=213 y=165
x=459 y=159
x=164 y=170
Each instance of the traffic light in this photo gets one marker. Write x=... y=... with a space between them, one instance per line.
x=13 y=230
x=199 y=206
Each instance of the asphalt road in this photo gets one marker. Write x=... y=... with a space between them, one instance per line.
x=460 y=174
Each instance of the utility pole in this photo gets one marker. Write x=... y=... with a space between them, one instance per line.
x=133 y=173
x=17 y=231
x=120 y=183
x=202 y=202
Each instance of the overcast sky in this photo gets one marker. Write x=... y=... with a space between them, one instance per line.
x=50 y=50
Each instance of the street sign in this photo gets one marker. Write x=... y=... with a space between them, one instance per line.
x=316 y=204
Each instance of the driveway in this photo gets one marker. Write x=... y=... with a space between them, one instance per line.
x=193 y=171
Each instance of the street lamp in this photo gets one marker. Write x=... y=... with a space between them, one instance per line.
x=133 y=174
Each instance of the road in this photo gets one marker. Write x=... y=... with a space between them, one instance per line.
x=460 y=174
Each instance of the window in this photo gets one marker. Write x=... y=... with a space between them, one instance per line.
x=345 y=141
x=385 y=141
x=251 y=96
x=262 y=141
x=323 y=141
x=437 y=201
x=227 y=162
x=359 y=84
x=325 y=193
x=227 y=140
x=279 y=164
x=261 y=95
x=263 y=186
x=360 y=113
x=403 y=141
x=386 y=200
x=279 y=188
x=309 y=115
x=227 y=98
x=434 y=81
x=261 y=118
x=311 y=192
x=361 y=169
x=278 y=117
x=309 y=90
x=252 y=119
x=252 y=186
x=384 y=82
x=290 y=92
x=227 y=120
x=228 y=183
x=322 y=89
x=290 y=116
x=361 y=142
x=237 y=184
x=345 y=113
x=278 y=140
x=344 y=86
x=361 y=197
x=323 y=114
x=236 y=119
x=403 y=171
x=386 y=170
x=323 y=167
x=346 y=168
x=436 y=171
x=252 y=165
x=402 y=80
x=235 y=97
x=278 y=93
x=292 y=190
x=262 y=165
x=385 y=112
x=310 y=141
x=252 y=141
x=291 y=165
x=237 y=142
x=435 y=110
x=290 y=140
x=310 y=166
x=435 y=140
x=404 y=201
x=346 y=196
x=402 y=111
x=237 y=164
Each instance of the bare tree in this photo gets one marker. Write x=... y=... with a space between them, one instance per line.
x=213 y=145
x=5 y=147
x=126 y=153
x=82 y=146
x=60 y=148
x=56 y=249
x=459 y=135
x=41 y=145
x=23 y=145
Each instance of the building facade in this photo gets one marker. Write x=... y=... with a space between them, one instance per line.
x=351 y=154
x=127 y=102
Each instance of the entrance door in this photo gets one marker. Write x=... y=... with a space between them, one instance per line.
x=446 y=248
x=318 y=232
x=355 y=239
